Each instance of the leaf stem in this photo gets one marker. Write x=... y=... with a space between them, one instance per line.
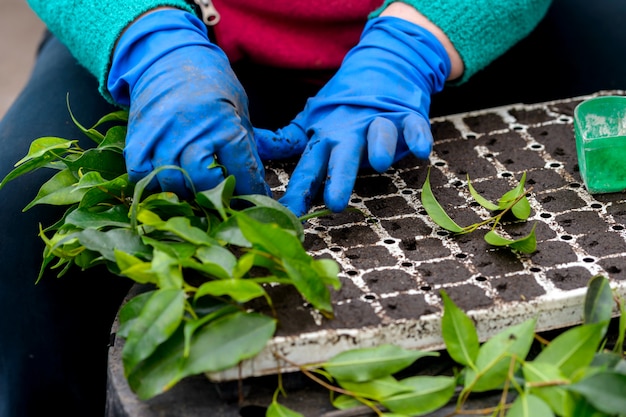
x=311 y=375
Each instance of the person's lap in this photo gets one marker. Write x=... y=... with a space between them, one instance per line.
x=54 y=335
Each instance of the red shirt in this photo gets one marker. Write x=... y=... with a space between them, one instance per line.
x=290 y=33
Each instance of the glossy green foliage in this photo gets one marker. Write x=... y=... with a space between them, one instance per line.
x=202 y=259
x=571 y=376
x=202 y=262
x=513 y=201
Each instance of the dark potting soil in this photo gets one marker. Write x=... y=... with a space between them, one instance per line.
x=395 y=261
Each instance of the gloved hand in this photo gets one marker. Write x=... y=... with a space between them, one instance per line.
x=187 y=107
x=374 y=109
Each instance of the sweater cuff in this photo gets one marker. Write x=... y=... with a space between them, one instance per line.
x=90 y=29
x=479 y=31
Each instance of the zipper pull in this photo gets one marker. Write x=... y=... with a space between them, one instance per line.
x=210 y=15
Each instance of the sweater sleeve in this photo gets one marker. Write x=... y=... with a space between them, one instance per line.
x=480 y=30
x=90 y=28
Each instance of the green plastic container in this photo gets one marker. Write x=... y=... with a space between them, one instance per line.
x=600 y=129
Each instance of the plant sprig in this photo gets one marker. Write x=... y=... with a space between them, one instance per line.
x=203 y=259
x=573 y=375
x=513 y=201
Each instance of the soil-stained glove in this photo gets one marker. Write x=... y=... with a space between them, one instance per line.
x=374 y=111
x=187 y=107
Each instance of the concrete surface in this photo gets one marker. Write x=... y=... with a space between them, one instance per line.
x=20 y=31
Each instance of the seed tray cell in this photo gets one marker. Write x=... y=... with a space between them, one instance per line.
x=395 y=260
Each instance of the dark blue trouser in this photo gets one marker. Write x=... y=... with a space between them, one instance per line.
x=54 y=335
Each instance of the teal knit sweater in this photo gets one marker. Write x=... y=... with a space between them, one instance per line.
x=481 y=30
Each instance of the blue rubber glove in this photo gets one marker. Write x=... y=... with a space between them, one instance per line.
x=374 y=110
x=187 y=107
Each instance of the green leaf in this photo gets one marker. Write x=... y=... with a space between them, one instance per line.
x=603 y=359
x=493 y=238
x=271 y=238
x=583 y=408
x=218 y=198
x=107 y=242
x=159 y=372
x=528 y=405
x=526 y=244
x=217 y=261
x=240 y=290
x=116 y=216
x=130 y=311
x=92 y=133
x=43 y=151
x=573 y=349
x=495 y=355
x=113 y=191
x=46 y=147
x=178 y=250
x=364 y=364
x=556 y=396
x=459 y=333
x=86 y=259
x=168 y=271
x=229 y=232
x=134 y=268
x=167 y=204
x=219 y=345
x=510 y=196
x=297 y=263
x=345 y=402
x=159 y=317
x=328 y=271
x=213 y=312
x=211 y=269
x=114 y=139
x=179 y=226
x=63 y=245
x=521 y=209
x=434 y=209
x=143 y=183
x=227 y=341
x=292 y=222
x=244 y=265
x=230 y=229
x=428 y=394
x=376 y=389
x=116 y=116
x=308 y=283
x=89 y=180
x=598 y=300
x=108 y=163
x=58 y=190
x=604 y=390
x=480 y=199
x=279 y=217
x=278 y=410
x=620 y=367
